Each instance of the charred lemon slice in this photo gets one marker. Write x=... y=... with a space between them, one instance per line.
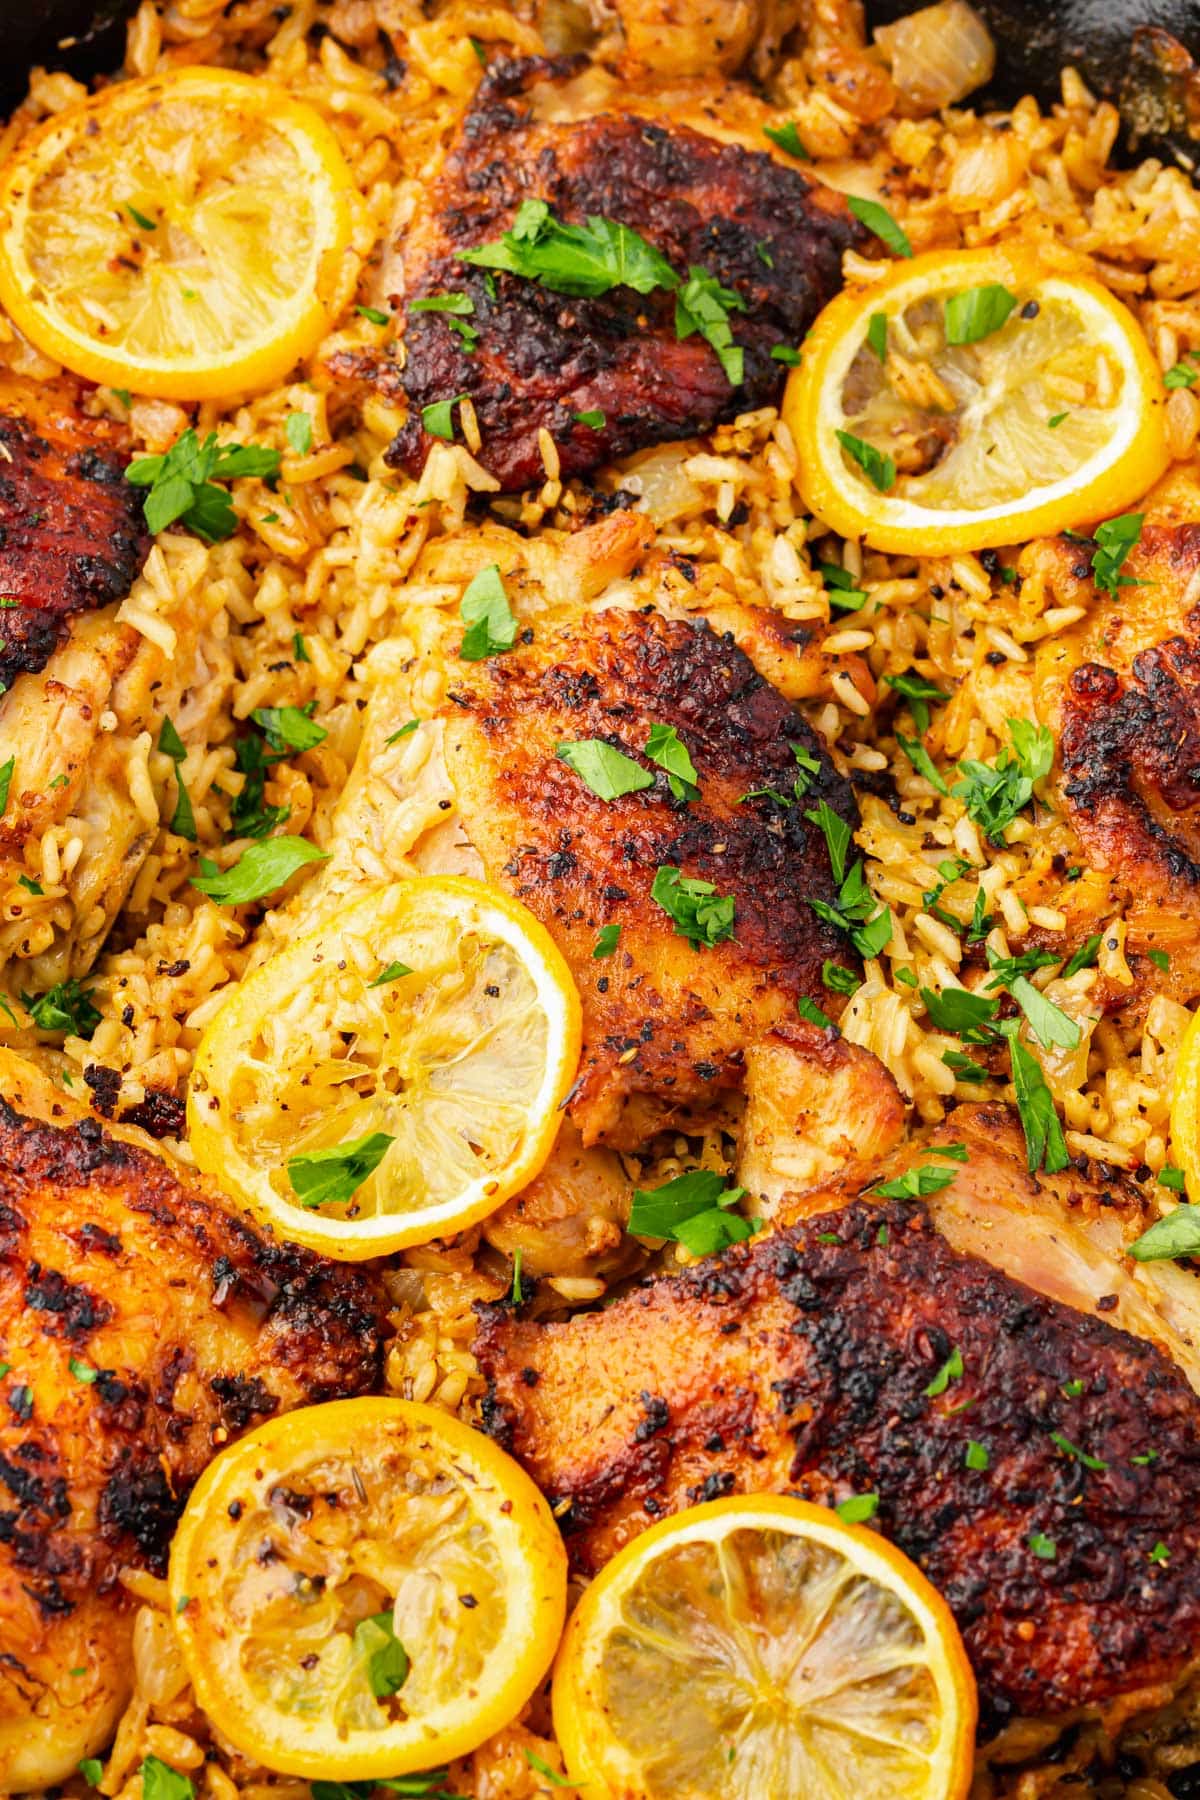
x=184 y=236
x=973 y=398
x=760 y=1646
x=364 y=1589
x=394 y=1076
x=1185 y=1110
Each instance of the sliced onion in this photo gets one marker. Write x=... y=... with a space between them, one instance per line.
x=939 y=55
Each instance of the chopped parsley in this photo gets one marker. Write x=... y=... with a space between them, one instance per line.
x=140 y=218
x=693 y=1210
x=438 y=418
x=594 y=419
x=927 y=1178
x=6 y=775
x=869 y=930
x=1043 y=1547
x=839 y=585
x=300 y=648
x=249 y=815
x=665 y=747
x=1045 y=1144
x=700 y=914
x=1056 y=419
x=1182 y=374
x=387 y=1662
x=607 y=771
x=994 y=793
x=857 y=1509
x=1176 y=1235
x=182 y=483
x=836 y=833
x=837 y=979
x=82 y=1371
x=703 y=305
x=92 y=1770
x=951 y=1370
x=1073 y=1389
x=259 y=871
x=962 y=1068
x=161 y=1782
x=978 y=312
x=877 y=335
x=330 y=1177
x=878 y=219
x=918 y=692
x=961 y=1013
x=976 y=1456
x=288 y=727
x=787 y=139
x=1081 y=1456
x=1049 y=1024
x=813 y=1015
x=393 y=972
x=67 y=1006
x=1160 y=959
x=783 y=353
x=589 y=259
x=1160 y=1553
x=298 y=431
x=606 y=942
x=1114 y=540
x=1173 y=1178
x=402 y=732
x=183 y=820
x=541 y=1767
x=879 y=469
x=457 y=308
x=923 y=763
x=1083 y=957
x=491 y=627
x=373 y=313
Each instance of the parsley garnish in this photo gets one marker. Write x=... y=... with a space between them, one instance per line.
x=161 y=1782
x=491 y=627
x=67 y=1006
x=288 y=728
x=586 y=259
x=182 y=483
x=1072 y=1389
x=1114 y=540
x=963 y=1014
x=692 y=1210
x=927 y=1178
x=976 y=1456
x=541 y=1767
x=701 y=915
x=1056 y=419
x=6 y=775
x=918 y=692
x=606 y=942
x=951 y=1370
x=703 y=305
x=393 y=972
x=183 y=821
x=787 y=139
x=140 y=218
x=249 y=816
x=810 y=1011
x=386 y=1658
x=665 y=747
x=877 y=331
x=839 y=585
x=1160 y=1553
x=783 y=353
x=1081 y=1456
x=1176 y=1235
x=92 y=1770
x=838 y=979
x=857 y=1509
x=879 y=469
x=457 y=307
x=402 y=732
x=878 y=219
x=259 y=871
x=963 y=1068
x=300 y=648
x=1179 y=375
x=1173 y=1178
x=372 y=313
x=594 y=419
x=1048 y=1023
x=1044 y=1142
x=977 y=313
x=923 y=763
x=836 y=833
x=329 y=1177
x=608 y=772
x=1043 y=1547
x=1160 y=959
x=869 y=931
x=438 y=419
x=1084 y=957
x=994 y=793
x=82 y=1371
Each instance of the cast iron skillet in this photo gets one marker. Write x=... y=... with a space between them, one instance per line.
x=1138 y=53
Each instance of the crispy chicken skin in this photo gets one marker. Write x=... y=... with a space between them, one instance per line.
x=666 y=1025
x=112 y=1260
x=1123 y=695
x=763 y=229
x=801 y=1362
x=72 y=536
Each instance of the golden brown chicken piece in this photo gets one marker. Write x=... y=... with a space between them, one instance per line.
x=536 y=359
x=666 y=1023
x=1122 y=693
x=140 y=1329
x=824 y=1359
x=72 y=535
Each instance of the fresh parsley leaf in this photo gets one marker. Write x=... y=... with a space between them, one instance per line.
x=288 y=728
x=700 y=914
x=1043 y=1547
x=298 y=431
x=812 y=1013
x=1056 y=419
x=249 y=816
x=857 y=1509
x=976 y=1456
x=922 y=762
x=665 y=747
x=67 y=1006
x=1080 y=1456
x=30 y=886
x=877 y=335
x=518 y=1296
x=961 y=1013
x=403 y=732
x=161 y=1782
x=878 y=219
x=1072 y=1389
x=438 y=419
x=838 y=979
x=839 y=585
x=1114 y=540
x=977 y=313
x=182 y=483
x=140 y=218
x=787 y=138
x=836 y=833
x=259 y=871
x=918 y=692
x=608 y=772
x=542 y=1768
x=82 y=1371
x=491 y=627
x=1084 y=957
x=606 y=942
x=586 y=259
x=951 y=1370
x=994 y=793
x=330 y=1177
x=1049 y=1023
x=300 y=648
x=981 y=920
x=373 y=313
x=1045 y=1144
x=962 y=1067
x=927 y=1178
x=1173 y=1178
x=594 y=419
x=92 y=1770
x=1180 y=375
x=1176 y=1235
x=703 y=305
x=879 y=469
x=460 y=304
x=783 y=353
x=1160 y=959
x=393 y=972
x=386 y=1658
x=693 y=1210
x=6 y=775
x=1159 y=1554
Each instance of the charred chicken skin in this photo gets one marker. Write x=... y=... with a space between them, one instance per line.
x=140 y=1329
x=72 y=536
x=822 y=1360
x=763 y=230
x=666 y=1023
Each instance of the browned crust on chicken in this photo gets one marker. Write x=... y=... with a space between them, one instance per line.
x=801 y=1362
x=663 y=1022
x=764 y=230
x=72 y=535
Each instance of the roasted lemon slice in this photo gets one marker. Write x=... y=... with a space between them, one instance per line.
x=364 y=1589
x=973 y=398
x=394 y=1076
x=1185 y=1109
x=183 y=236
x=760 y=1646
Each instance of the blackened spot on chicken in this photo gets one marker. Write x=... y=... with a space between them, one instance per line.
x=243 y=1401
x=105 y=1085
x=160 y=1112
x=137 y=1503
x=543 y=357
x=72 y=1310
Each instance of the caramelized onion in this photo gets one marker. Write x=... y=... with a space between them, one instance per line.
x=939 y=55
